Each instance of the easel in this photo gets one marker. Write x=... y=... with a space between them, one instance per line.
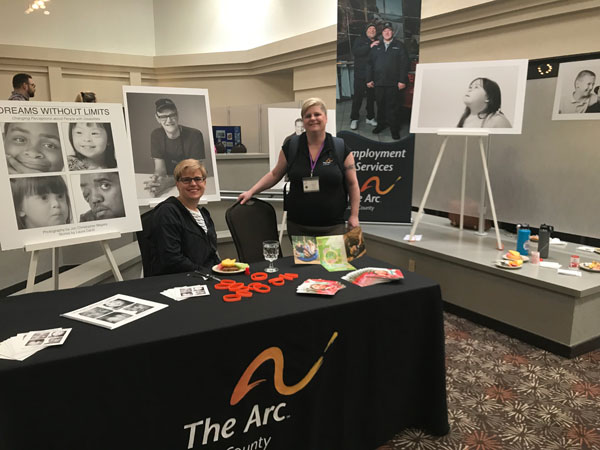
x=56 y=245
x=454 y=132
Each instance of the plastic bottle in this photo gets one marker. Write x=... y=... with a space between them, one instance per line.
x=544 y=240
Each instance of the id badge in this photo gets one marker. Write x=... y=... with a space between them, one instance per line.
x=310 y=184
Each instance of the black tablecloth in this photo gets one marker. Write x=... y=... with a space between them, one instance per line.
x=165 y=382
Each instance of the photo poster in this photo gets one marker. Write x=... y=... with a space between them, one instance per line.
x=283 y=124
x=151 y=113
x=385 y=177
x=66 y=171
x=482 y=95
x=577 y=94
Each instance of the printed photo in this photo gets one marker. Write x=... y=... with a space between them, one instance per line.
x=137 y=308
x=577 y=94
x=482 y=95
x=89 y=145
x=166 y=126
x=305 y=250
x=98 y=196
x=115 y=317
x=94 y=313
x=32 y=147
x=41 y=202
x=117 y=303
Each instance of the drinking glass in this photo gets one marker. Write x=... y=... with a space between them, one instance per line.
x=271 y=252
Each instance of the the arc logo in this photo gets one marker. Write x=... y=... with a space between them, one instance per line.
x=375 y=182
x=244 y=385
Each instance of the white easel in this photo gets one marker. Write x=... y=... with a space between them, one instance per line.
x=454 y=132
x=56 y=245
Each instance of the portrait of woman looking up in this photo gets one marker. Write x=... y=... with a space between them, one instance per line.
x=322 y=178
x=483 y=100
x=183 y=236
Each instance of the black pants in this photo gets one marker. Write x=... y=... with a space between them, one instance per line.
x=360 y=89
x=389 y=100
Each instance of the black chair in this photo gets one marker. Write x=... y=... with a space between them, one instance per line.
x=145 y=242
x=250 y=224
x=239 y=148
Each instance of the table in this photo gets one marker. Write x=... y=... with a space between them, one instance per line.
x=166 y=381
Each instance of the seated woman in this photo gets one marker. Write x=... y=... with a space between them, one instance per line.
x=182 y=235
x=482 y=106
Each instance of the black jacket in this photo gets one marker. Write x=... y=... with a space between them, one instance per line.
x=178 y=243
x=388 y=67
x=361 y=50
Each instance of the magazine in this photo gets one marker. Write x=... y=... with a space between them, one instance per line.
x=373 y=275
x=333 y=253
x=354 y=243
x=305 y=250
x=319 y=287
x=115 y=311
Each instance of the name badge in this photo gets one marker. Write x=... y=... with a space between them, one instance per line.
x=310 y=184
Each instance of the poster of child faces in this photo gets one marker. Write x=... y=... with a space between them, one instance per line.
x=285 y=123
x=471 y=96
x=66 y=171
x=167 y=125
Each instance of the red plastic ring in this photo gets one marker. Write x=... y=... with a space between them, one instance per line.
x=261 y=288
x=289 y=276
x=244 y=293
x=232 y=298
x=228 y=282
x=221 y=286
x=277 y=281
x=259 y=276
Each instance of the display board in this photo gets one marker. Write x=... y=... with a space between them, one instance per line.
x=577 y=91
x=66 y=171
x=165 y=126
x=480 y=95
x=548 y=174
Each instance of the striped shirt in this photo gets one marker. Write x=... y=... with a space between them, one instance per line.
x=199 y=218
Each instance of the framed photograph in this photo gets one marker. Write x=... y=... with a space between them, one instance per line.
x=66 y=170
x=285 y=123
x=480 y=95
x=577 y=95
x=115 y=311
x=167 y=125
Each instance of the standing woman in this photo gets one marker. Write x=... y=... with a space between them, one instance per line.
x=321 y=178
x=183 y=236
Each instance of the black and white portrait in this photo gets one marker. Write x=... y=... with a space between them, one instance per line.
x=166 y=126
x=32 y=147
x=41 y=202
x=485 y=95
x=89 y=145
x=577 y=94
x=98 y=196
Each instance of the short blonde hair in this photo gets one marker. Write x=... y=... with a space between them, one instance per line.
x=188 y=164
x=314 y=101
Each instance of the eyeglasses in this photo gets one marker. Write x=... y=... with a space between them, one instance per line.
x=188 y=180
x=166 y=116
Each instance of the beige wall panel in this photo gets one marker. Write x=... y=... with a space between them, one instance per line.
x=327 y=94
x=250 y=90
x=315 y=75
x=108 y=90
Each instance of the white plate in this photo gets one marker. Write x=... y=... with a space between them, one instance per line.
x=584 y=266
x=523 y=257
x=504 y=264
x=225 y=272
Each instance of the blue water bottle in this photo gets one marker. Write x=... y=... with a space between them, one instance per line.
x=523 y=233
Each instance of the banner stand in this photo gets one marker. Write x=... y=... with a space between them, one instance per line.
x=57 y=244
x=458 y=132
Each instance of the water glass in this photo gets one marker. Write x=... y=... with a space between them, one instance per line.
x=271 y=253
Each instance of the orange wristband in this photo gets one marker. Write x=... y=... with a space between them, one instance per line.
x=289 y=276
x=277 y=281
x=221 y=286
x=228 y=282
x=261 y=288
x=232 y=298
x=244 y=293
x=258 y=276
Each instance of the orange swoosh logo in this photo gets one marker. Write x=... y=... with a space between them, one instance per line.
x=376 y=181
x=244 y=386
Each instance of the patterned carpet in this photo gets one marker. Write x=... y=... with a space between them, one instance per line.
x=504 y=394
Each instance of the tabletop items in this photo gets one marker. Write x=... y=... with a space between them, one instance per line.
x=23 y=345
x=373 y=275
x=185 y=292
x=319 y=287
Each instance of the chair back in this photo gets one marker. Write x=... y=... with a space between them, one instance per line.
x=250 y=224
x=145 y=242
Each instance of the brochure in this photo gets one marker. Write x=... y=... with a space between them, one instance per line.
x=354 y=243
x=333 y=253
x=115 y=311
x=184 y=292
x=23 y=345
x=373 y=275
x=305 y=250
x=319 y=287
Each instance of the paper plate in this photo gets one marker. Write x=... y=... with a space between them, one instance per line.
x=215 y=268
x=586 y=266
x=523 y=257
x=504 y=264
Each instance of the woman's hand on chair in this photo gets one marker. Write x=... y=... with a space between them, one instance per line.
x=244 y=197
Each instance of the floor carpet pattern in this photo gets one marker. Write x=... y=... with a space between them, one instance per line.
x=504 y=394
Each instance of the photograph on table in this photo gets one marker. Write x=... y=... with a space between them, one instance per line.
x=377 y=50
x=305 y=250
x=115 y=311
x=577 y=95
x=51 y=155
x=484 y=96
x=167 y=125
x=285 y=123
